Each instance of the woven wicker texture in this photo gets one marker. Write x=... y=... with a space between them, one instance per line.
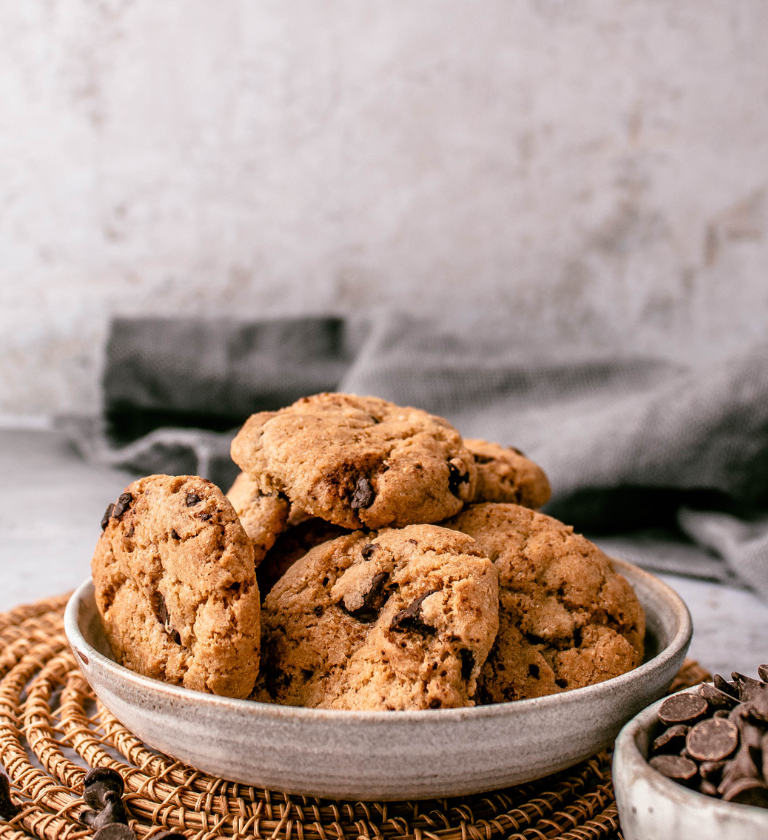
x=52 y=730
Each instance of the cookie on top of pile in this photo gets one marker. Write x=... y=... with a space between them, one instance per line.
x=367 y=557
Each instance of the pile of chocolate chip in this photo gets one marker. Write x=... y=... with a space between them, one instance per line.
x=716 y=741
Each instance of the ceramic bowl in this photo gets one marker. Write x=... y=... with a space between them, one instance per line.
x=653 y=807
x=384 y=755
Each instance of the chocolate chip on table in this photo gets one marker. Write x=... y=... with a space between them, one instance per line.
x=712 y=740
x=363 y=495
x=675 y=767
x=373 y=600
x=457 y=475
x=410 y=617
x=716 y=698
x=682 y=708
x=103 y=793
x=671 y=741
x=107 y=515
x=123 y=502
x=8 y=810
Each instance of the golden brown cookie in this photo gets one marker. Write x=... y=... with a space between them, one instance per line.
x=176 y=586
x=263 y=516
x=358 y=461
x=566 y=618
x=399 y=619
x=504 y=474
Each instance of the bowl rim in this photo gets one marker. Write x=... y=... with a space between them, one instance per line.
x=120 y=673
x=627 y=757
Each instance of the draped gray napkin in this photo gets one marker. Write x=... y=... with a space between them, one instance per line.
x=663 y=464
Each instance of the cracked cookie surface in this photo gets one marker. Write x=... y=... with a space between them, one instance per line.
x=399 y=619
x=176 y=586
x=264 y=516
x=358 y=461
x=504 y=474
x=566 y=618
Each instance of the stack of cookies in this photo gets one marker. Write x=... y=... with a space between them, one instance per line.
x=367 y=558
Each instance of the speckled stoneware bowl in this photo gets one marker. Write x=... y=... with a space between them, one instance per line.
x=653 y=807
x=384 y=755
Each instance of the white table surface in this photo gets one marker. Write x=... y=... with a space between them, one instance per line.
x=51 y=504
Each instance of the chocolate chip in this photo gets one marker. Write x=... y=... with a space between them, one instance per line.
x=123 y=502
x=712 y=770
x=671 y=741
x=131 y=531
x=112 y=811
x=467 y=663
x=561 y=683
x=533 y=670
x=204 y=517
x=748 y=792
x=160 y=610
x=483 y=459
x=762 y=672
x=106 y=517
x=363 y=495
x=747 y=687
x=174 y=534
x=435 y=703
x=318 y=611
x=722 y=713
x=193 y=499
x=682 y=708
x=712 y=740
x=118 y=831
x=674 y=767
x=373 y=601
x=458 y=474
x=368 y=549
x=717 y=699
x=8 y=809
x=723 y=685
x=410 y=618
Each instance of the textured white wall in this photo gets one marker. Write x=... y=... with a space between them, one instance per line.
x=597 y=170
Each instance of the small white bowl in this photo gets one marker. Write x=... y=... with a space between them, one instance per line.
x=653 y=807
x=384 y=755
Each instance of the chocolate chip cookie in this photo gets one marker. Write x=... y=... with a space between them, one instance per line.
x=504 y=474
x=176 y=586
x=263 y=516
x=399 y=619
x=358 y=461
x=566 y=618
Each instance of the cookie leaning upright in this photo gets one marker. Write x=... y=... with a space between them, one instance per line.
x=358 y=461
x=176 y=586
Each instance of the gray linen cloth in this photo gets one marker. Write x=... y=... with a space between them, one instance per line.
x=663 y=464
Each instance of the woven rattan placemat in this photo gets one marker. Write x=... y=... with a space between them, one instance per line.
x=52 y=729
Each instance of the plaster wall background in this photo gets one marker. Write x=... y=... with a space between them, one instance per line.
x=595 y=172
